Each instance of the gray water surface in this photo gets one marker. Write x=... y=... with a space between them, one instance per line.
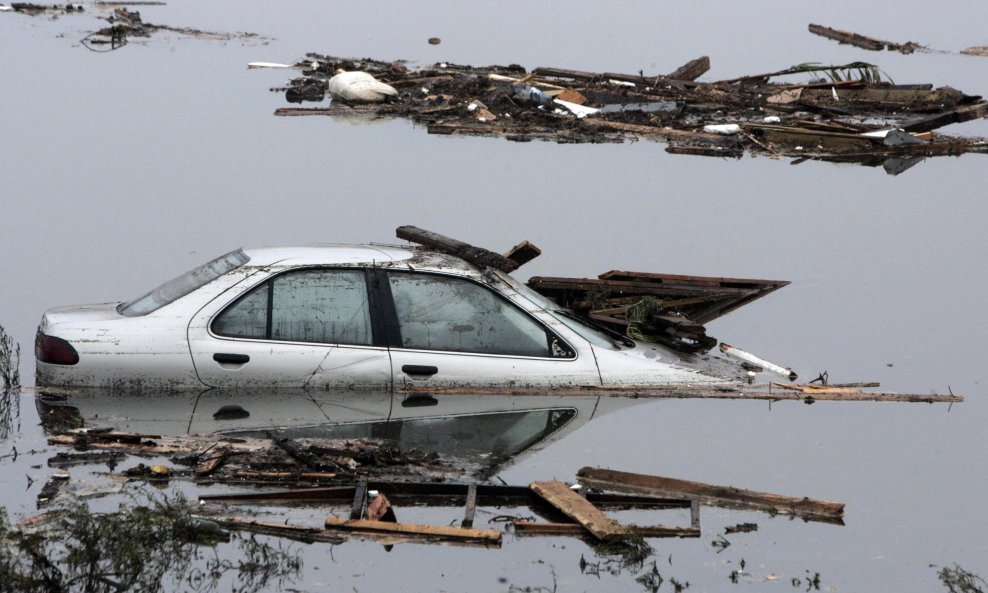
x=120 y=170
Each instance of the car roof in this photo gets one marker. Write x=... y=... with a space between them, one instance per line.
x=315 y=254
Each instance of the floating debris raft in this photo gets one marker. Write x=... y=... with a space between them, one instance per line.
x=841 y=113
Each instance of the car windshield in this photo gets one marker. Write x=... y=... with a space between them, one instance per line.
x=177 y=288
x=596 y=336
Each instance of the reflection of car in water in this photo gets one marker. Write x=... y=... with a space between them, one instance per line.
x=343 y=317
x=482 y=430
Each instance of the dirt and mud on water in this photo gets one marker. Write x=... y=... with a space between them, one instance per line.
x=849 y=113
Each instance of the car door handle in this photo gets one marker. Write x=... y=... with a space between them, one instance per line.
x=418 y=369
x=231 y=358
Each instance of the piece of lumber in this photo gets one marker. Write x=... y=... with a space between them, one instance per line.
x=953 y=116
x=470 y=508
x=436 y=531
x=862 y=41
x=475 y=255
x=619 y=481
x=574 y=506
x=532 y=528
x=756 y=392
x=523 y=253
x=359 y=500
x=869 y=43
x=300 y=111
x=691 y=70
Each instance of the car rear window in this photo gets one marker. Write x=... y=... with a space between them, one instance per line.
x=177 y=288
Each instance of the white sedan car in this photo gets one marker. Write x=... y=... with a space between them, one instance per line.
x=345 y=317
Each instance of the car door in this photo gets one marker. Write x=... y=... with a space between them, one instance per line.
x=454 y=332
x=303 y=328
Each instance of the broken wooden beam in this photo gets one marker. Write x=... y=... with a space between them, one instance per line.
x=862 y=41
x=523 y=253
x=431 y=531
x=475 y=255
x=523 y=527
x=691 y=70
x=619 y=481
x=579 y=509
x=954 y=116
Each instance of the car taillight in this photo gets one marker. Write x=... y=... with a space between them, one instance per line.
x=54 y=350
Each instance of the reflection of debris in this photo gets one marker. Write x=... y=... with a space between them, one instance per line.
x=864 y=42
x=807 y=508
x=826 y=120
x=152 y=547
x=251 y=460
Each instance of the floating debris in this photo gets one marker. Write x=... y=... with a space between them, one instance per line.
x=845 y=117
x=869 y=43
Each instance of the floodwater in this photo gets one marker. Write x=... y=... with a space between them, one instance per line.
x=122 y=169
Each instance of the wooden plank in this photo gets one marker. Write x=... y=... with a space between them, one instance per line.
x=475 y=255
x=684 y=392
x=715 y=281
x=470 y=508
x=691 y=70
x=359 y=500
x=301 y=111
x=523 y=253
x=869 y=43
x=579 y=509
x=958 y=115
x=436 y=531
x=710 y=494
x=532 y=528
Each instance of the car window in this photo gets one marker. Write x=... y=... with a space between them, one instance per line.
x=445 y=313
x=177 y=288
x=315 y=305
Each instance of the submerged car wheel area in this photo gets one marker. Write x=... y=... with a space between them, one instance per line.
x=346 y=317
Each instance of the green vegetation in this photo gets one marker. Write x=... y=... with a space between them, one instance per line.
x=151 y=548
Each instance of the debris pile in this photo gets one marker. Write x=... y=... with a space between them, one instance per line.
x=665 y=308
x=842 y=113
